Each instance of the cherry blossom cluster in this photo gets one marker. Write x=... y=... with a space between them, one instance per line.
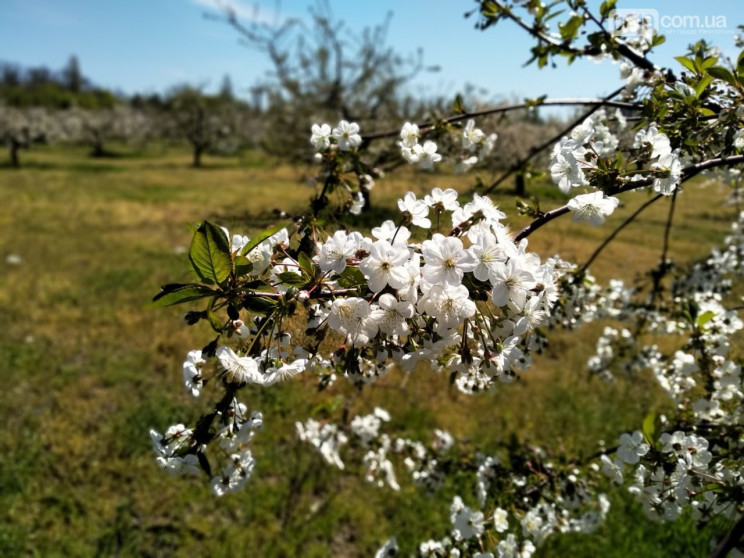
x=337 y=149
x=695 y=462
x=345 y=136
x=577 y=162
x=180 y=450
x=467 y=303
x=474 y=146
x=574 y=161
x=513 y=511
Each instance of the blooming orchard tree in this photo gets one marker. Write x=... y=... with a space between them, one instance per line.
x=448 y=286
x=98 y=127
x=202 y=120
x=20 y=128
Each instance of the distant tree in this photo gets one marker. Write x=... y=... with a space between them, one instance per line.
x=72 y=77
x=98 y=127
x=322 y=71
x=151 y=102
x=226 y=94
x=58 y=90
x=11 y=75
x=39 y=76
x=20 y=128
x=203 y=120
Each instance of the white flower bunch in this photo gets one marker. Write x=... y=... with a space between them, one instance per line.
x=425 y=156
x=345 y=136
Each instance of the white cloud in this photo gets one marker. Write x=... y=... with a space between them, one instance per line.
x=249 y=12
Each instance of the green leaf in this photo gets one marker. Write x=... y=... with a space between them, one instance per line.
x=702 y=85
x=306 y=264
x=704 y=318
x=713 y=487
x=260 y=305
x=719 y=72
x=606 y=7
x=259 y=238
x=658 y=40
x=350 y=277
x=210 y=254
x=649 y=427
x=740 y=65
x=532 y=103
x=243 y=265
x=709 y=62
x=292 y=278
x=176 y=293
x=571 y=27
x=551 y=15
x=687 y=63
x=213 y=318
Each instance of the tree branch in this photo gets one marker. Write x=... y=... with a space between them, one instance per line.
x=687 y=173
x=730 y=540
x=568 y=102
x=617 y=230
x=534 y=151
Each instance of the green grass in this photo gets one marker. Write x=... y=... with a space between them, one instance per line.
x=89 y=368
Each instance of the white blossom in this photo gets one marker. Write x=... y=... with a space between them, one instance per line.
x=347 y=135
x=416 y=210
x=593 y=207
x=321 y=136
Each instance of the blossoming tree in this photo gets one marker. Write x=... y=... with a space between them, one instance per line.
x=20 y=128
x=448 y=286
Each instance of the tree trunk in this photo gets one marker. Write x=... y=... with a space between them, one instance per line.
x=197 y=156
x=519 y=185
x=14 y=148
x=98 y=150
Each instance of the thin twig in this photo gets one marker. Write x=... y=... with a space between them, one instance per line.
x=614 y=233
x=540 y=148
x=623 y=49
x=657 y=277
x=568 y=102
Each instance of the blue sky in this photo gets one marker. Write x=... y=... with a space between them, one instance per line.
x=149 y=45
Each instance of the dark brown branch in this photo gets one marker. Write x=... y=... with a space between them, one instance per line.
x=687 y=173
x=730 y=541
x=663 y=267
x=668 y=228
x=623 y=49
x=509 y=108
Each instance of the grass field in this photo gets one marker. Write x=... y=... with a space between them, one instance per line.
x=89 y=368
